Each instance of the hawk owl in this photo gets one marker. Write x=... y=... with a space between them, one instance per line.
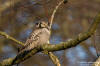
x=39 y=36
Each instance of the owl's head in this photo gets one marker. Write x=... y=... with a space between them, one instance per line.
x=42 y=24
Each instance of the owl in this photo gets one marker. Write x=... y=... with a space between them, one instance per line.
x=39 y=36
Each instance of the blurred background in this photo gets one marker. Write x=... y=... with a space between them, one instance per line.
x=71 y=19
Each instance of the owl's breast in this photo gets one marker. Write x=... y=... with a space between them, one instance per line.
x=44 y=36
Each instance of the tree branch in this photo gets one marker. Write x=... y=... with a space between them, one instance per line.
x=65 y=45
x=51 y=55
x=11 y=38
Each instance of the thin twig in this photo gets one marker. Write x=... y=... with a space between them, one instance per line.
x=11 y=38
x=53 y=14
x=94 y=43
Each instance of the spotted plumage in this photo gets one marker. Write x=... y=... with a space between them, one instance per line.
x=40 y=35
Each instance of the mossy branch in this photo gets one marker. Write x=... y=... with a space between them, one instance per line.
x=51 y=55
x=11 y=38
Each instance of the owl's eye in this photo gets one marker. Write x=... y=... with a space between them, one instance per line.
x=37 y=23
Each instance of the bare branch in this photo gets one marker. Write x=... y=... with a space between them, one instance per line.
x=54 y=58
x=11 y=38
x=53 y=14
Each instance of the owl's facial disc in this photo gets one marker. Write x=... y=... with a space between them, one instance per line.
x=42 y=24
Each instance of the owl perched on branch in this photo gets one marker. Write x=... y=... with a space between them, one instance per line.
x=39 y=36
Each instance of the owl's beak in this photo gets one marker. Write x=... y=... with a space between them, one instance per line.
x=43 y=25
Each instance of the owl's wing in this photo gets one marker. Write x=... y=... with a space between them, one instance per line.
x=32 y=41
